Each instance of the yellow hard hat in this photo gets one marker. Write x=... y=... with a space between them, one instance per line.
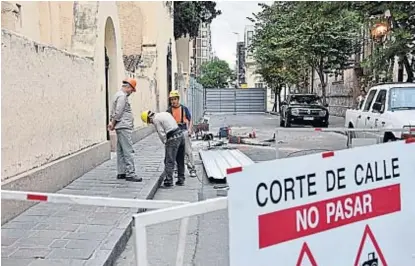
x=174 y=93
x=145 y=115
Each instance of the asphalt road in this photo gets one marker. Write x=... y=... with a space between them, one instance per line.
x=207 y=237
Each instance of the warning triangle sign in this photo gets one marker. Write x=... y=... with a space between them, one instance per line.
x=369 y=252
x=306 y=258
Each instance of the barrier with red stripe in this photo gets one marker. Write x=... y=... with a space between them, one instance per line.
x=87 y=200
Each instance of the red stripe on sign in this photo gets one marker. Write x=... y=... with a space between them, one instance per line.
x=327 y=154
x=281 y=226
x=37 y=197
x=233 y=170
x=317 y=129
x=410 y=140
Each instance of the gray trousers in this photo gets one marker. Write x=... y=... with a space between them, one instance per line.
x=188 y=151
x=125 y=152
x=175 y=151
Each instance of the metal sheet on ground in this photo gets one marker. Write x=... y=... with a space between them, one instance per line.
x=357 y=200
x=216 y=161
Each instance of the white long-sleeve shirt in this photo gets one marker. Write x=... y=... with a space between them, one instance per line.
x=164 y=123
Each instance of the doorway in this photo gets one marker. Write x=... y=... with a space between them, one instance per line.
x=107 y=96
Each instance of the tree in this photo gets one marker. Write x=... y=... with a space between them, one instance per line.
x=322 y=35
x=215 y=74
x=279 y=67
x=189 y=14
x=400 y=41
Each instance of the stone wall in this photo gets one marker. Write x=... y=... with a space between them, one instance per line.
x=51 y=106
x=341 y=91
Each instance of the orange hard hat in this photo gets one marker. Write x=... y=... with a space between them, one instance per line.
x=130 y=82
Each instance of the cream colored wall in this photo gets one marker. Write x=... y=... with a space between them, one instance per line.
x=51 y=106
x=42 y=21
x=250 y=77
x=53 y=102
x=147 y=34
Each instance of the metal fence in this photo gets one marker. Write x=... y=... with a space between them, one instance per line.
x=195 y=100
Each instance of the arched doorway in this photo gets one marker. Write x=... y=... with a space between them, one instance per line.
x=110 y=49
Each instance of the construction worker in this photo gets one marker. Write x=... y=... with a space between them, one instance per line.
x=172 y=137
x=184 y=120
x=123 y=122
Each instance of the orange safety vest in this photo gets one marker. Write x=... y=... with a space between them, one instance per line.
x=178 y=114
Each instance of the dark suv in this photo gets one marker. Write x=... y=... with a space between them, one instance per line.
x=304 y=109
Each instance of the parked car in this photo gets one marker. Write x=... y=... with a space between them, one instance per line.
x=304 y=109
x=389 y=105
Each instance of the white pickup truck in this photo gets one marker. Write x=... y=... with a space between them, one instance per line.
x=390 y=105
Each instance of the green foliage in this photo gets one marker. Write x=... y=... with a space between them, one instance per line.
x=216 y=74
x=290 y=37
x=400 y=40
x=189 y=14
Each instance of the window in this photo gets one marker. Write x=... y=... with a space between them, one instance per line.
x=204 y=34
x=380 y=102
x=204 y=53
x=369 y=100
x=204 y=61
x=204 y=43
x=259 y=85
x=402 y=98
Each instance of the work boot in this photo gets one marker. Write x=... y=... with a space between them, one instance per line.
x=180 y=182
x=192 y=173
x=121 y=176
x=134 y=179
x=167 y=184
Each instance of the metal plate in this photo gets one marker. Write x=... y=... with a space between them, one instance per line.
x=216 y=161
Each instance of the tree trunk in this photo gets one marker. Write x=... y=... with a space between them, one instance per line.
x=408 y=69
x=278 y=97
x=323 y=85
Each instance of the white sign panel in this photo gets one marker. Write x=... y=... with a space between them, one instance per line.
x=352 y=207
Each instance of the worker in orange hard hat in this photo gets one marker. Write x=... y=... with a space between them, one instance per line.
x=122 y=121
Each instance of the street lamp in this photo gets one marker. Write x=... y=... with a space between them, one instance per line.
x=379 y=30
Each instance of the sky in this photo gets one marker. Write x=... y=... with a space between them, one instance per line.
x=233 y=19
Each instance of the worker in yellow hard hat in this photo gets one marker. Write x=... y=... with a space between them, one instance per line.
x=172 y=136
x=183 y=119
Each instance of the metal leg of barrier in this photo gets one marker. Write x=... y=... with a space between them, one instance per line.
x=181 y=246
x=277 y=145
x=140 y=247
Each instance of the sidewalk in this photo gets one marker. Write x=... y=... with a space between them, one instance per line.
x=79 y=235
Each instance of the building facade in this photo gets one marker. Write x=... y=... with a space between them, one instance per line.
x=202 y=47
x=65 y=61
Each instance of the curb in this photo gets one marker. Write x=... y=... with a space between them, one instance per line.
x=125 y=236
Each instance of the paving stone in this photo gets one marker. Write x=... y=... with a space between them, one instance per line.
x=59 y=243
x=76 y=219
x=70 y=253
x=82 y=244
x=14 y=233
x=34 y=242
x=94 y=228
x=31 y=253
x=15 y=262
x=57 y=226
x=8 y=241
x=48 y=233
x=86 y=235
x=6 y=251
x=20 y=225
x=57 y=262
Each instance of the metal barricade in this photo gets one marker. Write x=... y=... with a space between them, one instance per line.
x=313 y=140
x=195 y=100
